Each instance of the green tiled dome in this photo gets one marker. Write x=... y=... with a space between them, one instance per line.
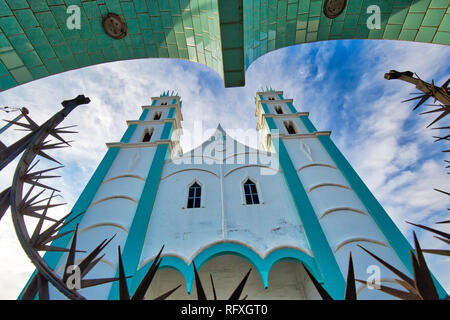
x=226 y=35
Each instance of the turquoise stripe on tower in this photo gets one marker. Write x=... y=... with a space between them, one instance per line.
x=85 y=199
x=131 y=252
x=324 y=257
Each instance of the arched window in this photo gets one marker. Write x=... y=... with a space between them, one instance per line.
x=194 y=196
x=147 y=135
x=250 y=192
x=278 y=110
x=157 y=115
x=290 y=127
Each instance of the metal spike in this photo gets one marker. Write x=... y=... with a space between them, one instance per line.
x=404 y=295
x=167 y=294
x=436 y=251
x=442 y=239
x=40 y=223
x=33 y=124
x=146 y=281
x=442 y=115
x=43 y=154
x=422 y=276
x=213 y=288
x=391 y=268
x=71 y=256
x=92 y=265
x=441 y=233
x=88 y=260
x=322 y=292
x=95 y=282
x=123 y=287
x=41 y=241
x=238 y=291
x=57 y=136
x=350 y=288
x=200 y=292
x=38 y=184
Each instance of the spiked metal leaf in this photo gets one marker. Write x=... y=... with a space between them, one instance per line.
x=350 y=289
x=322 y=292
x=200 y=292
x=237 y=292
x=422 y=276
x=147 y=280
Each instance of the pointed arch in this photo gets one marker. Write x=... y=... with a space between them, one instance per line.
x=194 y=196
x=250 y=192
x=147 y=136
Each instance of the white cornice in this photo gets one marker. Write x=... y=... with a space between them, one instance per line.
x=123 y=145
x=286 y=115
x=301 y=135
x=276 y=101
x=148 y=122
x=269 y=92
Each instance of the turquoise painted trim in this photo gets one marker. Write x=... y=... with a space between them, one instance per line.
x=265 y=108
x=263 y=266
x=84 y=200
x=394 y=236
x=136 y=236
x=291 y=107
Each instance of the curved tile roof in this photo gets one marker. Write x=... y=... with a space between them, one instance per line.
x=226 y=35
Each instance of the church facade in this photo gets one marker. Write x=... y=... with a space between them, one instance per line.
x=292 y=203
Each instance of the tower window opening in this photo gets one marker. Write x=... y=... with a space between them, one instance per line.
x=147 y=135
x=157 y=115
x=164 y=103
x=194 y=196
x=250 y=192
x=290 y=127
x=271 y=98
x=278 y=110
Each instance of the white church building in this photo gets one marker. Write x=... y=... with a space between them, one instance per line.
x=293 y=203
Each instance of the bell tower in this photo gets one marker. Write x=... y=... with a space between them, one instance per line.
x=118 y=199
x=338 y=211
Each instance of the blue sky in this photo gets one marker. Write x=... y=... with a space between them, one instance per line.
x=340 y=83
